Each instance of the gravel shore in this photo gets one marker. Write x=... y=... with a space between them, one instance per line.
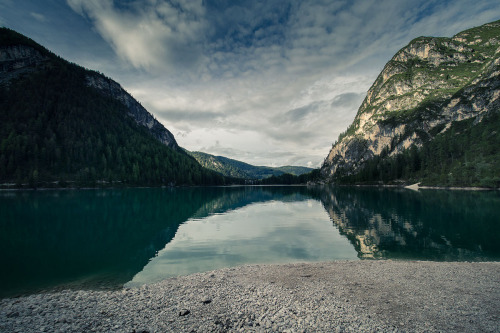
x=352 y=296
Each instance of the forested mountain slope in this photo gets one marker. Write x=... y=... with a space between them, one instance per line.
x=63 y=124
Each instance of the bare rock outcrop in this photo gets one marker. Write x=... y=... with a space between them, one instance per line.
x=426 y=86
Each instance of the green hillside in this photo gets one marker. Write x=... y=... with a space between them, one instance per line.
x=233 y=168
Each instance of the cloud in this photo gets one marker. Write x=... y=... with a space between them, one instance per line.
x=39 y=17
x=226 y=39
x=150 y=35
x=193 y=117
x=347 y=100
x=301 y=113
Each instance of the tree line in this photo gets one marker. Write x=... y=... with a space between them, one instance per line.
x=467 y=154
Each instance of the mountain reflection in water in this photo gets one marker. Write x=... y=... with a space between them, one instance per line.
x=424 y=225
x=103 y=238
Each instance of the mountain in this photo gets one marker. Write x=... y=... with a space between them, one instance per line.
x=294 y=170
x=233 y=168
x=432 y=115
x=63 y=124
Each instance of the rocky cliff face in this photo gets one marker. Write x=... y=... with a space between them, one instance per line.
x=424 y=88
x=111 y=88
x=20 y=58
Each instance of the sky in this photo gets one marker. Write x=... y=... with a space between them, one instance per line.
x=270 y=82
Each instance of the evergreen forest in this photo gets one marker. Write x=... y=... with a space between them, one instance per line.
x=57 y=131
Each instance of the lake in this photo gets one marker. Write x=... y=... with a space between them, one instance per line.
x=109 y=238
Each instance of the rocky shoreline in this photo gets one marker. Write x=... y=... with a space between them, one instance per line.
x=347 y=296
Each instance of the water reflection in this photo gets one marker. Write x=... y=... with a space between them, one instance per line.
x=102 y=238
x=270 y=232
x=428 y=225
x=105 y=238
x=95 y=238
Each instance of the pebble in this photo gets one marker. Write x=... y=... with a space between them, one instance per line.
x=184 y=312
x=361 y=296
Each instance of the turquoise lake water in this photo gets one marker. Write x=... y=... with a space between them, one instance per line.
x=105 y=239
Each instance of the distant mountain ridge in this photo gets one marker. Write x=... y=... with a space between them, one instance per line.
x=234 y=168
x=434 y=92
x=63 y=124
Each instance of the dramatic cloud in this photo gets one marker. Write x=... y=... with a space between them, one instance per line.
x=39 y=17
x=149 y=34
x=268 y=82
